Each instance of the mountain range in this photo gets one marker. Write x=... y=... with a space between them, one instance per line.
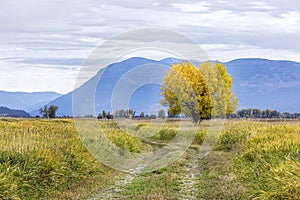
x=261 y=83
x=26 y=101
x=7 y=112
x=258 y=83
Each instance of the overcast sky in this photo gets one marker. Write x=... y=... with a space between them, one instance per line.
x=43 y=43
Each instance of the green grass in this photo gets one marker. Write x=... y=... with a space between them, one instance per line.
x=160 y=184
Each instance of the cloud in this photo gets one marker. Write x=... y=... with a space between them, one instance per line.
x=195 y=7
x=25 y=77
x=50 y=37
x=60 y=63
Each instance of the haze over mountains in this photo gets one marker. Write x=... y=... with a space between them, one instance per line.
x=261 y=83
x=26 y=101
x=258 y=83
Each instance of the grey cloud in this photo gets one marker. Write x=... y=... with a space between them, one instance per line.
x=259 y=38
x=104 y=19
x=58 y=62
x=70 y=30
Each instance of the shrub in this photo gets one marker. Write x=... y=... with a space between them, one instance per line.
x=165 y=134
x=200 y=136
x=140 y=125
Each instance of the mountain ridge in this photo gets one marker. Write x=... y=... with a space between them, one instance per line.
x=8 y=112
x=258 y=83
x=26 y=100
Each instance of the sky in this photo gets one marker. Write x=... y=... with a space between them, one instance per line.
x=44 y=43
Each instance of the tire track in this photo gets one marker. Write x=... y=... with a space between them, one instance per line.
x=187 y=187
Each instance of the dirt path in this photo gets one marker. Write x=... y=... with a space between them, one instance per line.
x=115 y=189
x=187 y=187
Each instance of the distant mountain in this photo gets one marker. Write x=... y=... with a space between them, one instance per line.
x=7 y=112
x=258 y=83
x=105 y=81
x=262 y=83
x=26 y=101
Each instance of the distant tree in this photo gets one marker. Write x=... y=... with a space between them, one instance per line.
x=152 y=116
x=257 y=113
x=266 y=114
x=89 y=116
x=52 y=111
x=48 y=112
x=109 y=116
x=142 y=115
x=44 y=112
x=104 y=114
x=162 y=113
x=116 y=113
x=99 y=116
x=131 y=113
x=122 y=113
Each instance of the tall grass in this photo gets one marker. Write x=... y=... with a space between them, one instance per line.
x=39 y=157
x=269 y=162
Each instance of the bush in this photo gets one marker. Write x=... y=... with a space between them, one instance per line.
x=200 y=136
x=140 y=125
x=165 y=134
x=124 y=141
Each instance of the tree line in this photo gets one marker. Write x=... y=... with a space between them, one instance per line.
x=129 y=114
x=50 y=112
x=264 y=114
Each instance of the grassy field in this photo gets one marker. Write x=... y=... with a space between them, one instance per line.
x=46 y=159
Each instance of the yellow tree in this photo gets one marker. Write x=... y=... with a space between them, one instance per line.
x=185 y=91
x=219 y=82
x=200 y=93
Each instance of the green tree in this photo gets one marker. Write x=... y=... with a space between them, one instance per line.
x=104 y=114
x=44 y=112
x=48 y=112
x=162 y=113
x=99 y=116
x=142 y=115
x=199 y=93
x=52 y=111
